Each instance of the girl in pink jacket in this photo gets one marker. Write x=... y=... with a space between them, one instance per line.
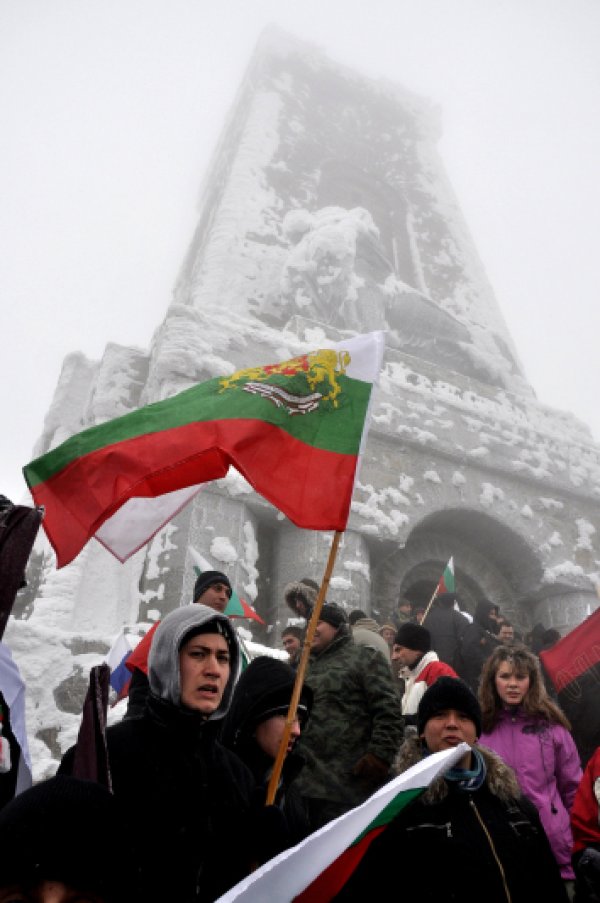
x=531 y=733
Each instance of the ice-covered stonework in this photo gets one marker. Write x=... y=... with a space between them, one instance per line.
x=326 y=212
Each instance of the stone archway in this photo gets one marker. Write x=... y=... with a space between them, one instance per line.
x=491 y=561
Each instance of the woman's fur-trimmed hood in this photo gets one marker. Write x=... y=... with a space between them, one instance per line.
x=500 y=779
x=300 y=592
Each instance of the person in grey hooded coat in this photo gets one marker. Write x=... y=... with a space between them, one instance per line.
x=193 y=819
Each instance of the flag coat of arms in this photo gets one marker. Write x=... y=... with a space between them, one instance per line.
x=294 y=430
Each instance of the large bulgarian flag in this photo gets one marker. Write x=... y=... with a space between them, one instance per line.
x=316 y=869
x=294 y=430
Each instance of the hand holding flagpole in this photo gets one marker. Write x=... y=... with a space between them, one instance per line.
x=445 y=584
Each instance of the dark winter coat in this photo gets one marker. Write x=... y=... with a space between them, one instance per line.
x=447 y=628
x=190 y=801
x=461 y=847
x=267 y=683
x=8 y=779
x=356 y=711
x=479 y=643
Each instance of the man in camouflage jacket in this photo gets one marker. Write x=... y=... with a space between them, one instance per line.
x=355 y=728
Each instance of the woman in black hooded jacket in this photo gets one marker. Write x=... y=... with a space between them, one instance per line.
x=256 y=719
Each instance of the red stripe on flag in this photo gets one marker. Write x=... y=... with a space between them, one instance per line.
x=332 y=879
x=81 y=497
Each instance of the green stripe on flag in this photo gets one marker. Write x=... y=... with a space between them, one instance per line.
x=389 y=812
x=331 y=428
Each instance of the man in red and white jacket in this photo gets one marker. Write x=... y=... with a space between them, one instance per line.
x=421 y=666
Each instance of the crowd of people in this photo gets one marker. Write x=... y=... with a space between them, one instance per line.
x=190 y=764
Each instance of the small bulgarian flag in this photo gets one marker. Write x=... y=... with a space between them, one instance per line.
x=236 y=607
x=446 y=582
x=294 y=430
x=316 y=869
x=239 y=608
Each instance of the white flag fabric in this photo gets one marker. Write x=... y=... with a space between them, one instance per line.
x=13 y=690
x=283 y=878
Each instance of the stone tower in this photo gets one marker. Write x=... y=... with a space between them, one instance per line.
x=326 y=212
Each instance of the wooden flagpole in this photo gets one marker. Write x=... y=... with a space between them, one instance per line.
x=301 y=671
x=431 y=601
x=437 y=589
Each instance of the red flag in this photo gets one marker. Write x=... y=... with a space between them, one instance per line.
x=573 y=666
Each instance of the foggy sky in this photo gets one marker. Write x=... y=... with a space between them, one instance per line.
x=110 y=111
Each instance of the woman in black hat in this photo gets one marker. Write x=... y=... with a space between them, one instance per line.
x=471 y=836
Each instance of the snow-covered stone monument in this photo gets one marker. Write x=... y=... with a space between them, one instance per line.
x=326 y=212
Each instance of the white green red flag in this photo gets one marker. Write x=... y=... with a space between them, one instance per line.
x=316 y=869
x=294 y=430
x=446 y=582
x=239 y=608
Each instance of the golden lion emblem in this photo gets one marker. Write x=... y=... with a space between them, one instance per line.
x=323 y=366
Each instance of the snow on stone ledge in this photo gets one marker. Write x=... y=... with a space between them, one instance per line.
x=564 y=569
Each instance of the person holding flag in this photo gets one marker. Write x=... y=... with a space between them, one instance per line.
x=448 y=629
x=471 y=835
x=444 y=621
x=253 y=729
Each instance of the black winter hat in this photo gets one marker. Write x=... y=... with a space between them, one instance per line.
x=446 y=600
x=448 y=693
x=414 y=637
x=58 y=830
x=264 y=689
x=333 y=614
x=208 y=578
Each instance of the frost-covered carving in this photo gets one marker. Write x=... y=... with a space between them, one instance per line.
x=320 y=276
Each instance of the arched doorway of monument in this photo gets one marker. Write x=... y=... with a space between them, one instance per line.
x=491 y=560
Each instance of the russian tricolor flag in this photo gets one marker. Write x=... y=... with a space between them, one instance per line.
x=117 y=656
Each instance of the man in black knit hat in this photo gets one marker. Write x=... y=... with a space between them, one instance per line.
x=422 y=667
x=471 y=836
x=212 y=588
